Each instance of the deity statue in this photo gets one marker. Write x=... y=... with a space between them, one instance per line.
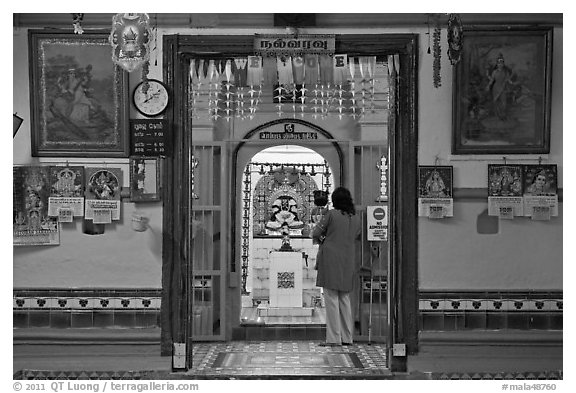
x=284 y=211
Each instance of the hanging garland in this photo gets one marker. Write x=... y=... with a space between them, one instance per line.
x=145 y=71
x=437 y=56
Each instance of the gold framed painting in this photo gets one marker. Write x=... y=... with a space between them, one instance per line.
x=77 y=96
x=502 y=90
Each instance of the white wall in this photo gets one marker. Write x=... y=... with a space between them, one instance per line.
x=120 y=258
x=523 y=255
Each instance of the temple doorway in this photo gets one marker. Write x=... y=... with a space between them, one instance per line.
x=371 y=150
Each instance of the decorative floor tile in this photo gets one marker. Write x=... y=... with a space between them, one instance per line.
x=283 y=358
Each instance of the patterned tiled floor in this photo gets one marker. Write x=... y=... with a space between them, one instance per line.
x=288 y=358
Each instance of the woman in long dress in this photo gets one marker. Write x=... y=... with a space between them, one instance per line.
x=338 y=233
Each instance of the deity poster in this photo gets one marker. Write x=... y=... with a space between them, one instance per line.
x=541 y=191
x=66 y=192
x=435 y=187
x=103 y=188
x=505 y=186
x=32 y=225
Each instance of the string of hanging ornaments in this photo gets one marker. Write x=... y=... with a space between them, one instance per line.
x=315 y=85
x=454 y=38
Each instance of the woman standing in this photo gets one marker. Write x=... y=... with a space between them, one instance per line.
x=338 y=232
x=499 y=82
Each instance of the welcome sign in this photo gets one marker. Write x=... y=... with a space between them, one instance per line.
x=289 y=133
x=305 y=43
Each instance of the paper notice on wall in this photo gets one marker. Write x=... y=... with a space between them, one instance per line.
x=532 y=202
x=514 y=203
x=435 y=207
x=103 y=187
x=31 y=223
x=74 y=204
x=506 y=212
x=66 y=215
x=67 y=190
x=102 y=216
x=95 y=208
x=541 y=213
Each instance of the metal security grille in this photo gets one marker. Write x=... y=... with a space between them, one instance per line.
x=207 y=246
x=368 y=174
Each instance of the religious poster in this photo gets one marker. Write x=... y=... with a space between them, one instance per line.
x=66 y=199
x=505 y=185
x=435 y=187
x=103 y=187
x=541 y=191
x=144 y=179
x=32 y=225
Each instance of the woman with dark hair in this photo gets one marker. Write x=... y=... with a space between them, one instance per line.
x=338 y=232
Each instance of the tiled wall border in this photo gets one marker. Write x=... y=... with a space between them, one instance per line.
x=490 y=310
x=82 y=308
x=438 y=310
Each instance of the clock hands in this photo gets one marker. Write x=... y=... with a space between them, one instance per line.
x=152 y=96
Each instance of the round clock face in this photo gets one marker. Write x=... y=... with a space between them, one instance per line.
x=152 y=102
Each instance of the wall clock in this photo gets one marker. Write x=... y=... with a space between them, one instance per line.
x=152 y=102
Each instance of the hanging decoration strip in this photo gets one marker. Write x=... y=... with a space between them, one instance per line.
x=129 y=38
x=316 y=85
x=254 y=79
x=454 y=38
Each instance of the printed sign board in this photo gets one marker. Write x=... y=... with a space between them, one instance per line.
x=150 y=137
x=377 y=223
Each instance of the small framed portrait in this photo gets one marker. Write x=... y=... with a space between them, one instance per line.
x=144 y=179
x=78 y=96
x=435 y=181
x=505 y=180
x=541 y=180
x=502 y=87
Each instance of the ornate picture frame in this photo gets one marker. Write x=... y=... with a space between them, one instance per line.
x=78 y=96
x=502 y=90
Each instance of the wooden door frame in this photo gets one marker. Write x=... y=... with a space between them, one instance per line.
x=403 y=177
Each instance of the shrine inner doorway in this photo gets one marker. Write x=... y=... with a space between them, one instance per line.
x=278 y=256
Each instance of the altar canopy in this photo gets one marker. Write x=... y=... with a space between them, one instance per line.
x=283 y=196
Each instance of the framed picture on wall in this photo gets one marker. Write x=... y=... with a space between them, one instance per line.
x=435 y=181
x=144 y=179
x=78 y=96
x=541 y=180
x=501 y=91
